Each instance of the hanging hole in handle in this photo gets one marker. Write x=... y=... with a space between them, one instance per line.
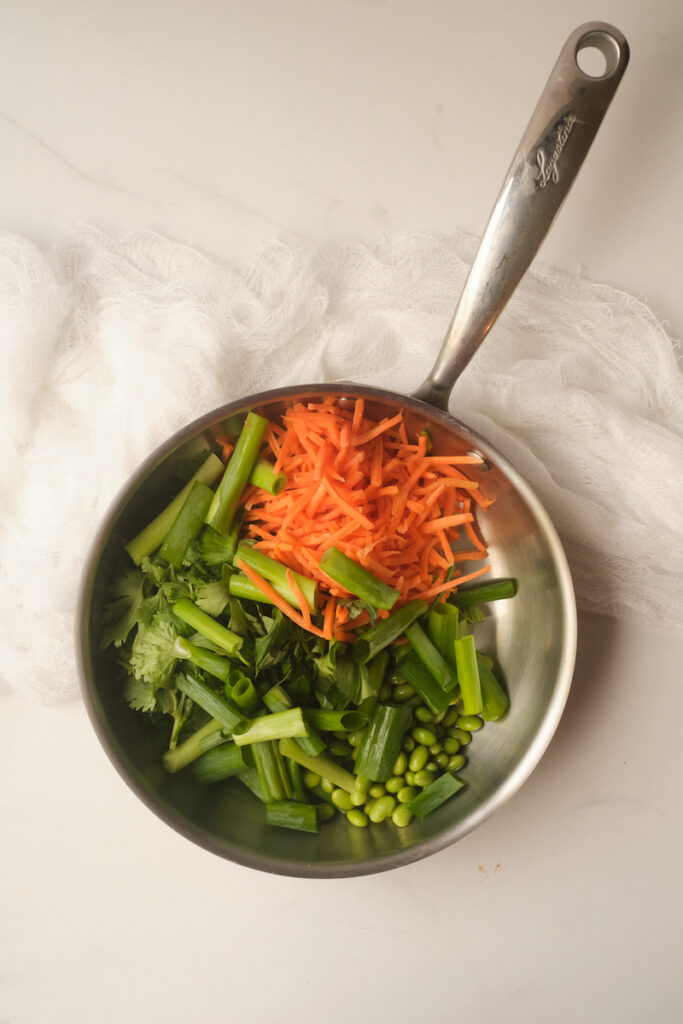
x=597 y=54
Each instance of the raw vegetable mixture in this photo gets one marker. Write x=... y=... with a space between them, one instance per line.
x=296 y=617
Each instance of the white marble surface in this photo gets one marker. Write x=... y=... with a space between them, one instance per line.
x=224 y=124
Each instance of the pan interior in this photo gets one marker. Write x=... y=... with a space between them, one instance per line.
x=531 y=638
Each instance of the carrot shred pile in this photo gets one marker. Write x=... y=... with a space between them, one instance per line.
x=363 y=487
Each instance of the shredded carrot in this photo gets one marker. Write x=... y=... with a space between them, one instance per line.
x=369 y=489
x=300 y=599
x=273 y=596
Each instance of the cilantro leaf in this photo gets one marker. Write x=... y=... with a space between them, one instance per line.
x=152 y=657
x=121 y=614
x=139 y=694
x=212 y=598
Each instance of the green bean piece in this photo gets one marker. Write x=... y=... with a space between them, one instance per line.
x=484 y=593
x=424 y=683
x=357 y=580
x=219 y=707
x=292 y=814
x=435 y=794
x=327 y=787
x=334 y=721
x=430 y=657
x=263 y=475
x=187 y=524
x=272 y=773
x=385 y=631
x=278 y=726
x=456 y=762
x=149 y=539
x=495 y=701
x=400 y=764
x=242 y=461
x=468 y=675
x=245 y=696
x=461 y=735
x=276 y=573
x=219 y=635
x=442 y=761
x=377 y=791
x=205 y=738
x=277 y=699
x=211 y=662
x=326 y=812
x=451 y=746
x=321 y=765
x=221 y=762
x=394 y=783
x=381 y=743
x=241 y=586
x=357 y=817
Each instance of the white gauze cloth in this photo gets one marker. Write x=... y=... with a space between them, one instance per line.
x=111 y=344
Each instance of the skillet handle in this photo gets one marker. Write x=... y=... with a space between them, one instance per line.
x=541 y=174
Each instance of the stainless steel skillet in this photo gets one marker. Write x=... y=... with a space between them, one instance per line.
x=533 y=637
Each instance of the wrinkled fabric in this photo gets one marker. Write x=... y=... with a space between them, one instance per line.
x=111 y=344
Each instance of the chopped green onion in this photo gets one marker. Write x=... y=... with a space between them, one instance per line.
x=435 y=794
x=468 y=675
x=242 y=461
x=357 y=580
x=220 y=708
x=149 y=539
x=264 y=476
x=209 y=736
x=336 y=721
x=271 y=772
x=424 y=684
x=220 y=763
x=292 y=814
x=241 y=586
x=187 y=524
x=244 y=694
x=495 y=701
x=321 y=765
x=483 y=593
x=381 y=741
x=431 y=658
x=295 y=778
x=219 y=635
x=387 y=630
x=280 y=725
x=203 y=658
x=277 y=699
x=443 y=627
x=252 y=781
x=276 y=573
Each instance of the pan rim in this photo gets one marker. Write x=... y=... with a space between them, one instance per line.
x=342 y=868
